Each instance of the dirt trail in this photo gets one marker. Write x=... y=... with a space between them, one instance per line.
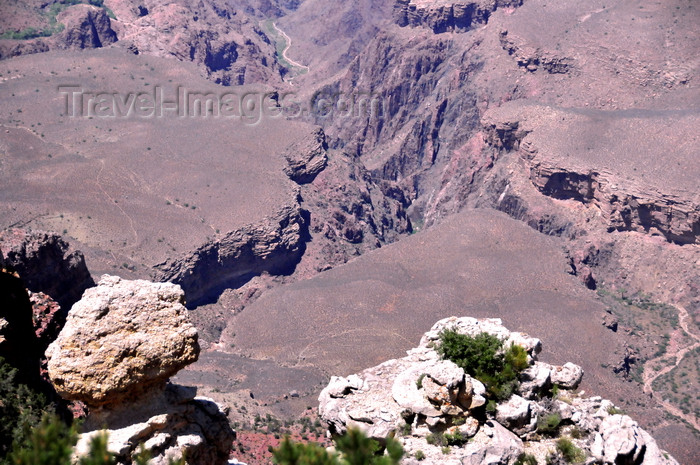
x=650 y=375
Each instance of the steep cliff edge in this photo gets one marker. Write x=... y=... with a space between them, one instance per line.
x=274 y=246
x=608 y=160
x=439 y=414
x=447 y=15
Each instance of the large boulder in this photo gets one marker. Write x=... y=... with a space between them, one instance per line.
x=515 y=414
x=121 y=339
x=120 y=344
x=621 y=441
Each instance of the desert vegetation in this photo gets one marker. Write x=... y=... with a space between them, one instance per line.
x=484 y=357
x=354 y=448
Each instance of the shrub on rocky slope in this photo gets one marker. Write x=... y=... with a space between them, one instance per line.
x=438 y=411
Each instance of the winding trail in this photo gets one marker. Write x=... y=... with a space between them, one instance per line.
x=650 y=375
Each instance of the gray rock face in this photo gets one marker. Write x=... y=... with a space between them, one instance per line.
x=440 y=405
x=620 y=440
x=502 y=446
x=535 y=379
x=121 y=339
x=515 y=414
x=169 y=423
x=567 y=376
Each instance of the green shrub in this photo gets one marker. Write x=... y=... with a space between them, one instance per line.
x=577 y=433
x=419 y=381
x=21 y=409
x=482 y=356
x=615 y=411
x=99 y=455
x=354 y=447
x=436 y=439
x=569 y=451
x=549 y=424
x=419 y=455
x=526 y=459
x=297 y=453
x=455 y=439
x=555 y=391
x=48 y=443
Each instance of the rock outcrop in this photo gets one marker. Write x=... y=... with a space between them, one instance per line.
x=121 y=338
x=534 y=58
x=274 y=246
x=82 y=26
x=169 y=423
x=47 y=264
x=434 y=407
x=447 y=15
x=47 y=317
x=661 y=207
x=86 y=26
x=13 y=48
x=307 y=158
x=119 y=346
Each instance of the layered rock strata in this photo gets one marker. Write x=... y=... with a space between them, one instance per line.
x=275 y=245
x=447 y=15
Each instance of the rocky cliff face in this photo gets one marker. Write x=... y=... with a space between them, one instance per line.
x=47 y=264
x=339 y=212
x=438 y=412
x=84 y=26
x=274 y=246
x=624 y=204
x=120 y=345
x=447 y=15
x=223 y=39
